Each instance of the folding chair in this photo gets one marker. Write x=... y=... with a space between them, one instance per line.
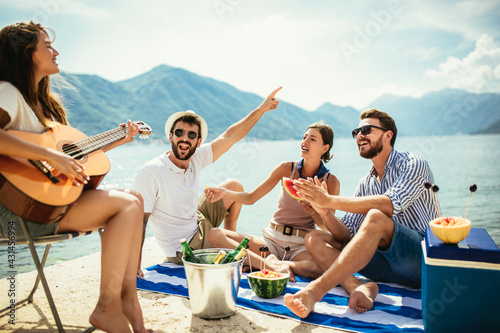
x=47 y=241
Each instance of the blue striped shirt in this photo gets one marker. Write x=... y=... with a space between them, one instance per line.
x=403 y=182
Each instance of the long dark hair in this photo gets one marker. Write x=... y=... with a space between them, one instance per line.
x=17 y=44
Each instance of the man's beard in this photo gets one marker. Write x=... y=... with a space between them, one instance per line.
x=190 y=152
x=373 y=151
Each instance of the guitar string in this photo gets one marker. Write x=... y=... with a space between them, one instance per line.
x=100 y=141
x=88 y=145
x=77 y=147
x=92 y=144
x=96 y=142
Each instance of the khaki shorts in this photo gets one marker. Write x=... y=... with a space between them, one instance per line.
x=10 y=226
x=210 y=215
x=276 y=242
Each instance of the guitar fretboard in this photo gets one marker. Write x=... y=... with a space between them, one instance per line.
x=86 y=146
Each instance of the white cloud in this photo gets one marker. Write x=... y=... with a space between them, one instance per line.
x=466 y=18
x=478 y=72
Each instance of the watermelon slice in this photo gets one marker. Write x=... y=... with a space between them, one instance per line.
x=266 y=287
x=288 y=186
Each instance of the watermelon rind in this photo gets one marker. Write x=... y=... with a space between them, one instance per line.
x=267 y=287
x=287 y=184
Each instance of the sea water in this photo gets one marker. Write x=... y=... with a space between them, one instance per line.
x=456 y=161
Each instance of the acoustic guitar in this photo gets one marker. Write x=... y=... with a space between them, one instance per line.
x=37 y=192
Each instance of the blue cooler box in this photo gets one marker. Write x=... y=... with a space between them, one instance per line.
x=461 y=284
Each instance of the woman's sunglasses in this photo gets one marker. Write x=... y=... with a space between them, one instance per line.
x=365 y=130
x=180 y=133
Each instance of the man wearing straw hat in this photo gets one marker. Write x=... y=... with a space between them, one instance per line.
x=169 y=183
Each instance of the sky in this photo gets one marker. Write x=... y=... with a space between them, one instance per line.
x=347 y=53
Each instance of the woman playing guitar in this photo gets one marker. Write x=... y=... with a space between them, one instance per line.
x=27 y=59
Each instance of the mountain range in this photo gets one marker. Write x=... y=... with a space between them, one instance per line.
x=95 y=105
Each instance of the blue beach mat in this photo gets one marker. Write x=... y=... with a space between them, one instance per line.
x=396 y=309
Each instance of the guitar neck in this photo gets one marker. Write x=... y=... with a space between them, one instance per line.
x=86 y=146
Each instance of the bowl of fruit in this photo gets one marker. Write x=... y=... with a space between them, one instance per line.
x=450 y=229
x=268 y=284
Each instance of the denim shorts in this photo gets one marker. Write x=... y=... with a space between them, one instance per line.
x=10 y=225
x=401 y=262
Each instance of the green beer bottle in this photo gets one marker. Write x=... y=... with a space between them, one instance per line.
x=230 y=257
x=188 y=253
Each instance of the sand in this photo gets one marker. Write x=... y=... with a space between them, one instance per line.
x=75 y=284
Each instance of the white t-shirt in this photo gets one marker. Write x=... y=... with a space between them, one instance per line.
x=22 y=116
x=171 y=196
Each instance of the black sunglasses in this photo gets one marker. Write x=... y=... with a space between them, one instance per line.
x=365 y=130
x=180 y=133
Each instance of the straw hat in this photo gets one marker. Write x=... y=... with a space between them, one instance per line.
x=173 y=118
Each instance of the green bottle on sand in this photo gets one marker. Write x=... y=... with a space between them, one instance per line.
x=230 y=257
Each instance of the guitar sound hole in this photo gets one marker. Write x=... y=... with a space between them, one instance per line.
x=73 y=150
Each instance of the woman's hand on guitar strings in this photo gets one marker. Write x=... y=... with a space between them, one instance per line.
x=68 y=166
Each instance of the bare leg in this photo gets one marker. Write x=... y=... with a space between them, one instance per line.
x=230 y=239
x=130 y=302
x=376 y=231
x=234 y=208
x=325 y=250
x=302 y=265
x=120 y=213
x=145 y=218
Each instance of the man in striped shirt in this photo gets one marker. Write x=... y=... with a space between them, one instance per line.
x=380 y=235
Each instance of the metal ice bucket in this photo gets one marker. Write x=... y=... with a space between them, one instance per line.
x=212 y=288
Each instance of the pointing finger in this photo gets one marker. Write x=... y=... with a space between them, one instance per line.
x=274 y=92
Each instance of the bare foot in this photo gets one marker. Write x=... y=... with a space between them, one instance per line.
x=132 y=311
x=302 y=303
x=140 y=274
x=109 y=321
x=361 y=299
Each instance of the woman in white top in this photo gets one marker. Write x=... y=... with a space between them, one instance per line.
x=27 y=59
x=293 y=219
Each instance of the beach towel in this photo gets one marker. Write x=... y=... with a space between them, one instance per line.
x=396 y=308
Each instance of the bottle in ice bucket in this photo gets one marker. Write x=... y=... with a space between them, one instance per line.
x=240 y=254
x=219 y=257
x=188 y=253
x=231 y=256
